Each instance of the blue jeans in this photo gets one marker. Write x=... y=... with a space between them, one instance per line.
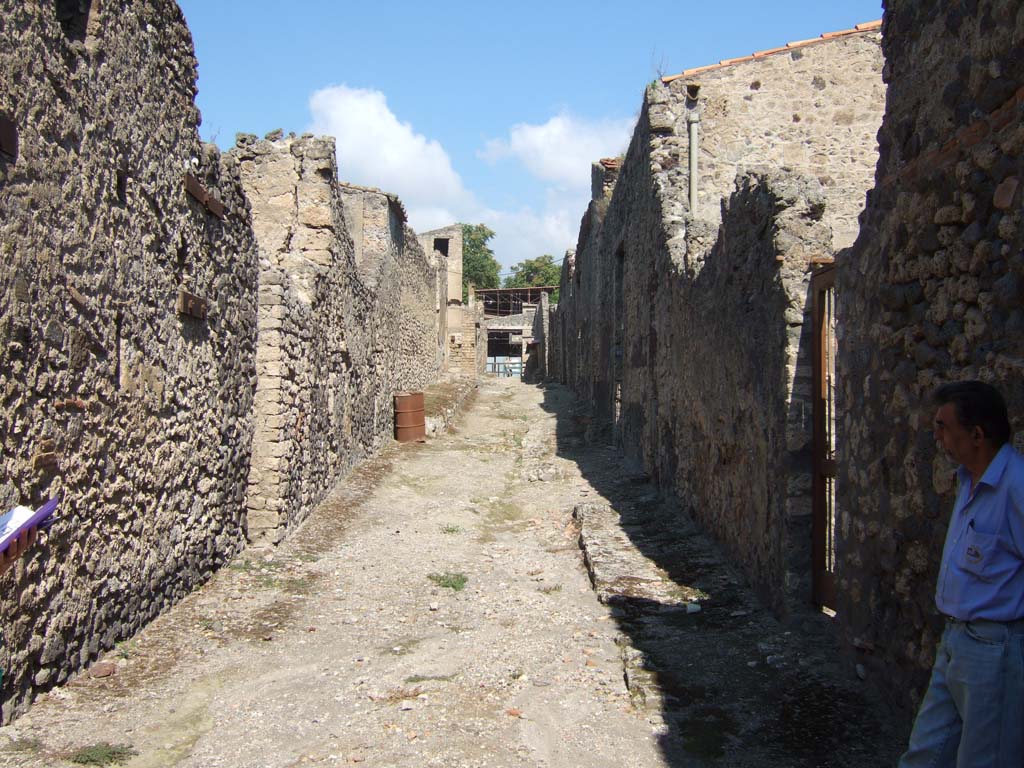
x=973 y=713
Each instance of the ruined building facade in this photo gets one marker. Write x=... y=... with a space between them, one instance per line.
x=127 y=330
x=463 y=338
x=683 y=314
x=193 y=346
x=711 y=340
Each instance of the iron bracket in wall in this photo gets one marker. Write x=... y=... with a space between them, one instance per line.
x=198 y=191
x=191 y=305
x=45 y=462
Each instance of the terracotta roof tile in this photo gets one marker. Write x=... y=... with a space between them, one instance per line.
x=769 y=52
x=870 y=26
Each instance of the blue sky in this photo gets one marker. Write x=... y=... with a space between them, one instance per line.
x=473 y=112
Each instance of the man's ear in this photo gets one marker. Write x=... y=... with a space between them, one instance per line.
x=978 y=434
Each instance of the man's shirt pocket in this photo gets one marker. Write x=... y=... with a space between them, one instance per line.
x=978 y=553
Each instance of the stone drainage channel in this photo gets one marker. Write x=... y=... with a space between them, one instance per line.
x=506 y=594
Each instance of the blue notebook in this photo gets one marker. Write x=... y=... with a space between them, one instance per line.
x=22 y=518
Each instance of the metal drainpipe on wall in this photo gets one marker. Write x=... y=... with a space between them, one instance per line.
x=693 y=124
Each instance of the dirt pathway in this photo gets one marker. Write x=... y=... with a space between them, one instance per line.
x=350 y=643
x=508 y=594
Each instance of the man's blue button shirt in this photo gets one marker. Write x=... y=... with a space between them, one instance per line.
x=982 y=572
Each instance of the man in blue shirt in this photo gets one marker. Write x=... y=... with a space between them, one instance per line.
x=973 y=713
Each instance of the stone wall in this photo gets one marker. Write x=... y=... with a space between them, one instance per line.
x=343 y=324
x=117 y=390
x=813 y=107
x=459 y=348
x=930 y=293
x=467 y=347
x=685 y=329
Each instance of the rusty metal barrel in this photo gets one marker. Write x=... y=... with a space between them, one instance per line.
x=410 y=423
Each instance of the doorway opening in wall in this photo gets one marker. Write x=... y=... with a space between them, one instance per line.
x=441 y=245
x=504 y=354
x=823 y=490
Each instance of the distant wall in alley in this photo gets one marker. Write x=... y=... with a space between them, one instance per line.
x=343 y=324
x=931 y=292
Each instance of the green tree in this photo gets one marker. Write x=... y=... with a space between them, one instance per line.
x=531 y=273
x=479 y=266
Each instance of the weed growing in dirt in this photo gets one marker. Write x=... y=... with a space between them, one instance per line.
x=253 y=566
x=103 y=754
x=550 y=589
x=449 y=528
x=413 y=679
x=453 y=581
x=125 y=650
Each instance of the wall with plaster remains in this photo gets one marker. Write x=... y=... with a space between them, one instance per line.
x=344 y=323
x=814 y=108
x=459 y=323
x=688 y=333
x=137 y=414
x=931 y=292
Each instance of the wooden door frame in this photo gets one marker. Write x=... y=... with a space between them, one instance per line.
x=823 y=580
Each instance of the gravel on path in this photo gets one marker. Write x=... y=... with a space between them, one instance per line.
x=434 y=610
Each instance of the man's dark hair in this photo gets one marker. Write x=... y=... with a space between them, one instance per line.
x=977 y=404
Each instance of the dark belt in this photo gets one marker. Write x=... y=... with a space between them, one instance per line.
x=1014 y=624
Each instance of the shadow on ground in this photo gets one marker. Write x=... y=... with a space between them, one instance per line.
x=727 y=685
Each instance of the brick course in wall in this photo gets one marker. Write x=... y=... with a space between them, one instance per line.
x=344 y=323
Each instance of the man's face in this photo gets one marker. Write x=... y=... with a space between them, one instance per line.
x=959 y=442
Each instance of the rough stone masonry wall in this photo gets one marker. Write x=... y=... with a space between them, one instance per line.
x=814 y=109
x=931 y=292
x=136 y=414
x=338 y=335
x=700 y=372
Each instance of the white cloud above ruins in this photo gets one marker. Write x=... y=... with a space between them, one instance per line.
x=377 y=148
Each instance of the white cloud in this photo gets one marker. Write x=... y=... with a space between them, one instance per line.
x=376 y=149
x=526 y=234
x=562 y=149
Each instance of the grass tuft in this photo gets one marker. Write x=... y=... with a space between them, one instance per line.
x=103 y=754
x=413 y=679
x=449 y=528
x=453 y=581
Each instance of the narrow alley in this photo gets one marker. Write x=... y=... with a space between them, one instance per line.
x=497 y=596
